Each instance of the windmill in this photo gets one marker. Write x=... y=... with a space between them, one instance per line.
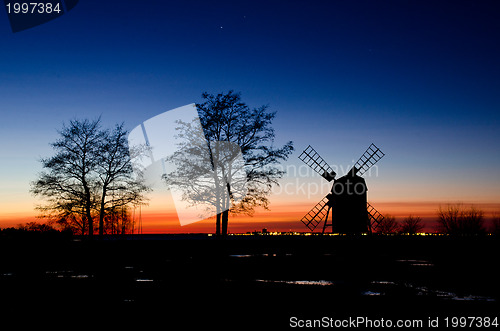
x=347 y=202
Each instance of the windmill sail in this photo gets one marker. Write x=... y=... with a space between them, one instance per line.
x=374 y=217
x=310 y=157
x=316 y=214
x=371 y=156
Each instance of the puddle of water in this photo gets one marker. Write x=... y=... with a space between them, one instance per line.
x=80 y=276
x=383 y=282
x=451 y=295
x=413 y=261
x=58 y=272
x=298 y=282
x=423 y=291
x=417 y=263
x=311 y=282
x=257 y=255
x=422 y=264
x=473 y=298
x=66 y=274
x=381 y=285
x=254 y=255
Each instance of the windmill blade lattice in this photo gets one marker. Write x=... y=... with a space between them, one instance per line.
x=310 y=157
x=316 y=214
x=374 y=216
x=371 y=156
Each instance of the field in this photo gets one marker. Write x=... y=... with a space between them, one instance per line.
x=201 y=281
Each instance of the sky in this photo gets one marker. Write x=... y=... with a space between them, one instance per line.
x=419 y=79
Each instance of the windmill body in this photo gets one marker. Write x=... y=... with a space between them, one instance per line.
x=345 y=209
x=348 y=207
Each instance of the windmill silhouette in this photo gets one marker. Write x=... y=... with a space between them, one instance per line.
x=347 y=201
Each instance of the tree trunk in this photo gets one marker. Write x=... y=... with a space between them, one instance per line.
x=218 y=208
x=91 y=226
x=89 y=217
x=227 y=204
x=217 y=225
x=88 y=206
x=101 y=213
x=225 y=218
x=83 y=225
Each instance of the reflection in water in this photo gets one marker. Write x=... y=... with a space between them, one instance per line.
x=368 y=287
x=255 y=255
x=422 y=264
x=417 y=263
x=298 y=282
x=473 y=298
x=79 y=276
x=387 y=288
x=384 y=286
x=383 y=282
x=452 y=295
x=66 y=274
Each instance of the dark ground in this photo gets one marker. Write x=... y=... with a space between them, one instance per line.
x=185 y=282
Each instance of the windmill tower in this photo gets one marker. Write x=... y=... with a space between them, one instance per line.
x=346 y=204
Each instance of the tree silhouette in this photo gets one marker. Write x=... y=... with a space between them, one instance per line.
x=388 y=225
x=117 y=187
x=495 y=224
x=89 y=176
x=36 y=227
x=233 y=154
x=411 y=225
x=458 y=220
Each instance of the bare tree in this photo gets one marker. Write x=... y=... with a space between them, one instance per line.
x=90 y=173
x=68 y=185
x=388 y=225
x=118 y=221
x=117 y=187
x=495 y=224
x=458 y=220
x=411 y=225
x=36 y=227
x=229 y=127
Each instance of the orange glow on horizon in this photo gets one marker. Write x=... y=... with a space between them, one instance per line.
x=287 y=217
x=281 y=217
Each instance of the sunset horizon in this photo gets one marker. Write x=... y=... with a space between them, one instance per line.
x=425 y=94
x=279 y=218
x=265 y=165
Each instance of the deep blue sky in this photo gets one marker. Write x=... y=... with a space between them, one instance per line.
x=418 y=78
